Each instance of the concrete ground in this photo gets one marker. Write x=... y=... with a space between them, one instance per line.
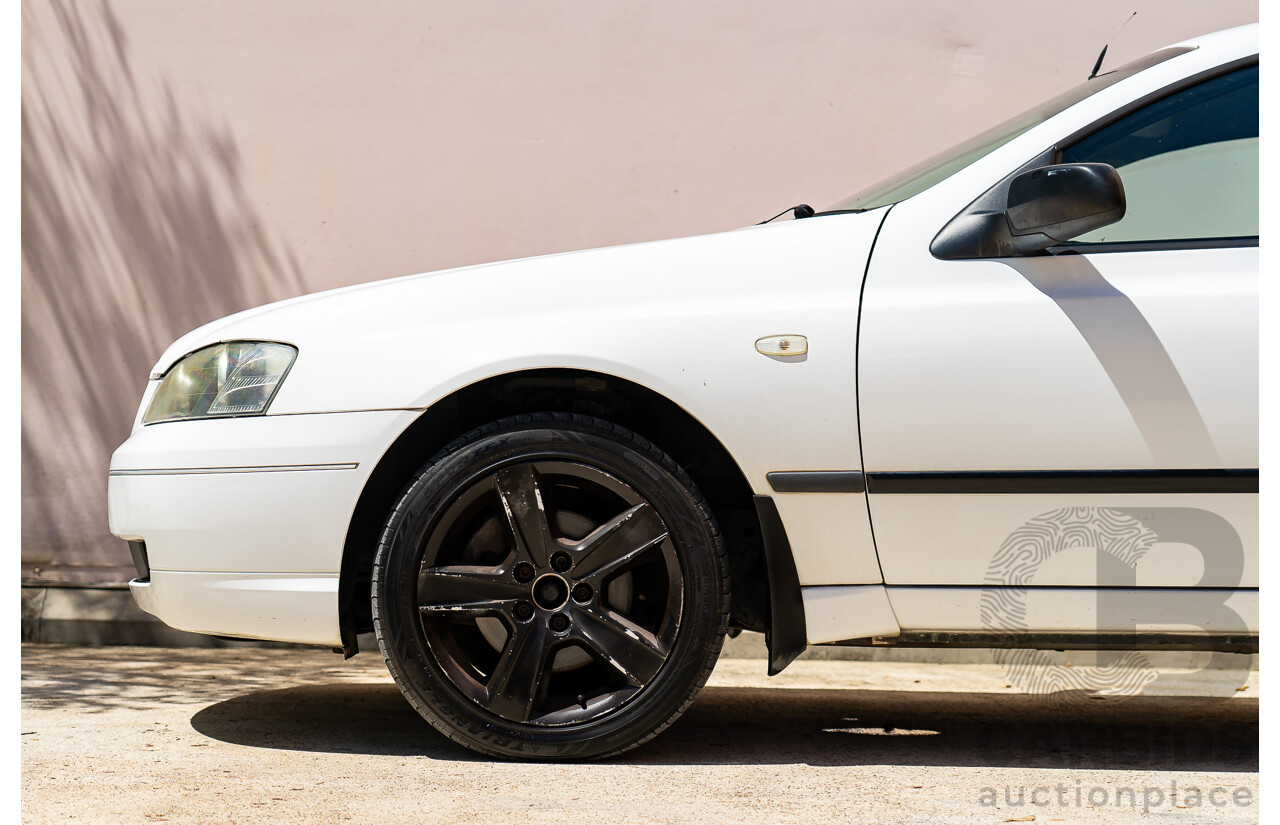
x=286 y=736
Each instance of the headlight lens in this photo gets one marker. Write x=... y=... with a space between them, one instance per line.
x=236 y=378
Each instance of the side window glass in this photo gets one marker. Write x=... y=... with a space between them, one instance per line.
x=1189 y=163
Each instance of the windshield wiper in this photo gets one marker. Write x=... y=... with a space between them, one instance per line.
x=804 y=210
x=838 y=212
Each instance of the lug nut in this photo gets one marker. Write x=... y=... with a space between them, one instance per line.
x=559 y=622
x=524 y=572
x=524 y=611
x=582 y=592
x=561 y=562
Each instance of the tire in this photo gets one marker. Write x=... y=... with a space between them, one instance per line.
x=550 y=587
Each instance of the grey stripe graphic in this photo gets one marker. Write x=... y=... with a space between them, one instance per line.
x=1131 y=353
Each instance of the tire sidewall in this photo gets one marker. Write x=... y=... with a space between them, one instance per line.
x=597 y=444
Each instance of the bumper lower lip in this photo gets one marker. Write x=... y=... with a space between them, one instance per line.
x=143 y=595
x=300 y=608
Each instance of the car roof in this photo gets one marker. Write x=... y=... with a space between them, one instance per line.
x=1239 y=39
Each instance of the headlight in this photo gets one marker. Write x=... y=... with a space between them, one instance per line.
x=236 y=378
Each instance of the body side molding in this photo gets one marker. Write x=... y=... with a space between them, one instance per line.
x=817 y=481
x=1084 y=482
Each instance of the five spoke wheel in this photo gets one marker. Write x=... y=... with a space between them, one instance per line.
x=551 y=591
x=553 y=594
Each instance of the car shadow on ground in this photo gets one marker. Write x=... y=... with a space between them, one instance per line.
x=818 y=727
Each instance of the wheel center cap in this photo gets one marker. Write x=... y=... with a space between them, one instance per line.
x=550 y=592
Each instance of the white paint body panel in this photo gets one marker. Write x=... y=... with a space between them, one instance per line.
x=247 y=521
x=1080 y=610
x=295 y=608
x=269 y=440
x=952 y=540
x=939 y=366
x=969 y=365
x=680 y=317
x=1131 y=360
x=837 y=614
x=833 y=531
x=687 y=331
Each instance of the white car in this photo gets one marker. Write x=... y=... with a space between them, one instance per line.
x=1007 y=398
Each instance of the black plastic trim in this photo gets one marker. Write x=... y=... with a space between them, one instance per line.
x=1172 y=588
x=1159 y=94
x=785 y=635
x=817 y=481
x=1064 y=481
x=138 y=551
x=1153 y=246
x=1226 y=643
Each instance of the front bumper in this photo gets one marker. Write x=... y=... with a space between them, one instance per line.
x=286 y=608
x=244 y=519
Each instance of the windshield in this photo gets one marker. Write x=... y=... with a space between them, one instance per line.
x=938 y=168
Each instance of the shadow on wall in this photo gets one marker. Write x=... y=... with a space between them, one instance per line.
x=136 y=227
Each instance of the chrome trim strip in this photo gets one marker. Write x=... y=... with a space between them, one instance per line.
x=270 y=468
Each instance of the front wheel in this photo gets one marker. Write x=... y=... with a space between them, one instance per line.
x=550 y=586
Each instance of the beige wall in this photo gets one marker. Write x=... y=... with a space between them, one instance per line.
x=185 y=160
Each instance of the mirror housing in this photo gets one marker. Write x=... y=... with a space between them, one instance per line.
x=1043 y=207
x=1064 y=201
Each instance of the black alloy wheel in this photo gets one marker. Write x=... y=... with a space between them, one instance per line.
x=552 y=587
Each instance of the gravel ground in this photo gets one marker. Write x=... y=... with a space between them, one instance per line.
x=287 y=736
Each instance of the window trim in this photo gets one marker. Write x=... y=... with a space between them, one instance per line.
x=1238 y=242
x=1123 y=112
x=1147 y=99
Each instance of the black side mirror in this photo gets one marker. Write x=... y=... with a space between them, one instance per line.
x=1061 y=202
x=1043 y=208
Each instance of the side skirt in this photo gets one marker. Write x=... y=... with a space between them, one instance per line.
x=1227 y=643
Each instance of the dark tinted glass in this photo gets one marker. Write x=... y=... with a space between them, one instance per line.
x=1189 y=163
x=920 y=177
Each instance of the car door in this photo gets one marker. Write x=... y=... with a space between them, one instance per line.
x=1067 y=443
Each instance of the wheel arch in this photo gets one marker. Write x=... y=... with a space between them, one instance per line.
x=618 y=400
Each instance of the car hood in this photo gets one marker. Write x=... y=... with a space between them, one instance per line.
x=400 y=343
